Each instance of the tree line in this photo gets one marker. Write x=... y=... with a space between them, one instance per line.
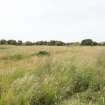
x=85 y=42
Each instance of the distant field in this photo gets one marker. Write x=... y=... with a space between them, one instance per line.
x=51 y=75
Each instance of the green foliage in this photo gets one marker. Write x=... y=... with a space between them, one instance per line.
x=3 y=41
x=80 y=83
x=19 y=42
x=28 y=43
x=87 y=42
x=42 y=53
x=12 y=42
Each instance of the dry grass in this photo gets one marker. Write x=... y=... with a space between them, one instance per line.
x=68 y=76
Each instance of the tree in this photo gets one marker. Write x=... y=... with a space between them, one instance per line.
x=59 y=43
x=19 y=42
x=3 y=41
x=12 y=42
x=40 y=43
x=52 y=42
x=103 y=44
x=95 y=43
x=88 y=42
x=56 y=43
x=28 y=43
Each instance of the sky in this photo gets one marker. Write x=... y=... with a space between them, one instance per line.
x=65 y=20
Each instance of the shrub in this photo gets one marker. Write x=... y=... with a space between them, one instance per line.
x=42 y=53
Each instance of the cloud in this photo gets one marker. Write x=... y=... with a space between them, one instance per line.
x=66 y=20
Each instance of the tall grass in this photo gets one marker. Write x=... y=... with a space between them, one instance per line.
x=68 y=76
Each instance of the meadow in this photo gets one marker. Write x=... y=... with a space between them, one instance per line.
x=52 y=75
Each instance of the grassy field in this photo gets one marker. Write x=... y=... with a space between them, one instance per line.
x=50 y=75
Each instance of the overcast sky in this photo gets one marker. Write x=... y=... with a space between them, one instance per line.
x=66 y=20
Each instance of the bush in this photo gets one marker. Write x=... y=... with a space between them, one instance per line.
x=43 y=53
